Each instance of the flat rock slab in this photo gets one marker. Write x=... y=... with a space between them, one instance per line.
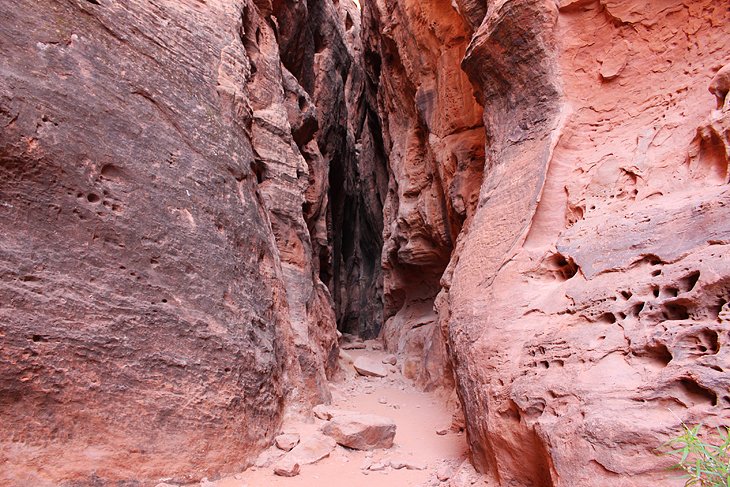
x=361 y=431
x=369 y=367
x=309 y=450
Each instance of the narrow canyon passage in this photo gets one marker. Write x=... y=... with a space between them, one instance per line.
x=428 y=449
x=518 y=211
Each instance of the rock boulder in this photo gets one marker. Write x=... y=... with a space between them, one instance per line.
x=361 y=431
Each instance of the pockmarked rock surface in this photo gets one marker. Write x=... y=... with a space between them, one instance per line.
x=580 y=259
x=361 y=431
x=526 y=200
x=164 y=242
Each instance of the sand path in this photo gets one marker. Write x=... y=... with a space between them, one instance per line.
x=418 y=416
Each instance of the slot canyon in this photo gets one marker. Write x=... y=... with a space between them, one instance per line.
x=499 y=228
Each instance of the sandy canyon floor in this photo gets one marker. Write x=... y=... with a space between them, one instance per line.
x=427 y=450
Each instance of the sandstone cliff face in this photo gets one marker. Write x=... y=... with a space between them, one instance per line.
x=585 y=298
x=164 y=221
x=434 y=140
x=527 y=199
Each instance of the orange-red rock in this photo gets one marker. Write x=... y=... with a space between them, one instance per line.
x=583 y=296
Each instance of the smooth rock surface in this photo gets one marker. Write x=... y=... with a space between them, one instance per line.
x=369 y=367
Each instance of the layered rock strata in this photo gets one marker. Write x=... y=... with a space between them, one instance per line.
x=165 y=243
x=434 y=139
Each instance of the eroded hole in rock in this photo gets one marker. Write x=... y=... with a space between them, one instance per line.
x=660 y=353
x=689 y=281
x=713 y=161
x=110 y=171
x=562 y=267
x=696 y=394
x=707 y=342
x=717 y=309
x=670 y=291
x=675 y=311
x=636 y=309
x=607 y=318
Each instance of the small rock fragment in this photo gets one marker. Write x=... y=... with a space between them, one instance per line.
x=390 y=360
x=322 y=412
x=444 y=473
x=378 y=466
x=286 y=469
x=311 y=450
x=308 y=451
x=442 y=431
x=382 y=400
x=286 y=441
x=369 y=367
x=400 y=463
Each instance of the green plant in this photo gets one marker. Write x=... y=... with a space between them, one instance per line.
x=705 y=458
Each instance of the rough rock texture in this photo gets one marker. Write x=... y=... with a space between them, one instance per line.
x=286 y=441
x=163 y=213
x=358 y=188
x=585 y=294
x=434 y=139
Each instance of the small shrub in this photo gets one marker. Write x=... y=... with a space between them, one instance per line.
x=705 y=458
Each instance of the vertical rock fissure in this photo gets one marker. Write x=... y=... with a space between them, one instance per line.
x=358 y=185
x=434 y=140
